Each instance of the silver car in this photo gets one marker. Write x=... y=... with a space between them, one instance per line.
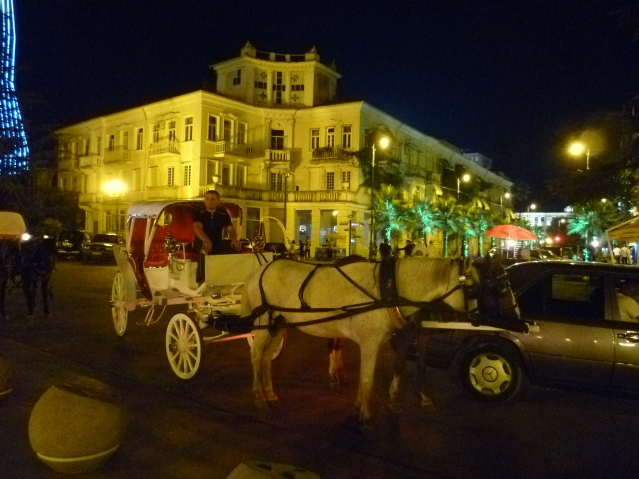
x=582 y=340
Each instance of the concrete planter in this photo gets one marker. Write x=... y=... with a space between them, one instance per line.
x=75 y=430
x=264 y=470
x=6 y=376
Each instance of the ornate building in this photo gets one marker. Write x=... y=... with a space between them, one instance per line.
x=13 y=141
x=274 y=138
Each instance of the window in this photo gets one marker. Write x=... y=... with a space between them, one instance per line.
x=278 y=87
x=315 y=139
x=226 y=174
x=87 y=147
x=346 y=137
x=297 y=87
x=111 y=142
x=241 y=176
x=170 y=176
x=98 y=145
x=139 y=140
x=212 y=134
x=564 y=296
x=238 y=78
x=241 y=133
x=171 y=132
x=74 y=183
x=187 y=175
x=125 y=140
x=261 y=85
x=277 y=139
x=156 y=133
x=252 y=222
x=276 y=181
x=227 y=130
x=188 y=129
x=346 y=176
x=330 y=180
x=330 y=137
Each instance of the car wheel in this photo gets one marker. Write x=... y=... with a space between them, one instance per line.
x=492 y=372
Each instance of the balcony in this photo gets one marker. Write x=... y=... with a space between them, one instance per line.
x=119 y=154
x=164 y=147
x=329 y=155
x=67 y=165
x=87 y=198
x=325 y=196
x=414 y=170
x=240 y=193
x=91 y=161
x=228 y=148
x=162 y=192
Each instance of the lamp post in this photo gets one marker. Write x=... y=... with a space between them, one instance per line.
x=115 y=189
x=383 y=143
x=285 y=196
x=578 y=149
x=465 y=178
x=501 y=200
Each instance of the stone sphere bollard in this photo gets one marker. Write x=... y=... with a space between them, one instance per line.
x=265 y=470
x=75 y=430
x=6 y=376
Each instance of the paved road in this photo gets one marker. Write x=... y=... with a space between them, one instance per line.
x=206 y=426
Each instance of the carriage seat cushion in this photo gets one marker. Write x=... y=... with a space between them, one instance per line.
x=158 y=257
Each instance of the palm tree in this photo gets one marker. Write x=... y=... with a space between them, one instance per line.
x=390 y=210
x=479 y=221
x=592 y=219
x=449 y=218
x=422 y=218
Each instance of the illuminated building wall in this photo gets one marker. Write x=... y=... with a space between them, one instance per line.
x=13 y=141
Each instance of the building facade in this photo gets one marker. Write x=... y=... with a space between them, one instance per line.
x=274 y=138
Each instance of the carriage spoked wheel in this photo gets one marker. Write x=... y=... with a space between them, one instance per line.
x=119 y=309
x=277 y=351
x=184 y=346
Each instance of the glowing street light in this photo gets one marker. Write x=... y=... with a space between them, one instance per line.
x=115 y=189
x=465 y=178
x=578 y=149
x=531 y=207
x=383 y=144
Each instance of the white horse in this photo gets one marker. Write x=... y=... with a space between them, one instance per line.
x=277 y=285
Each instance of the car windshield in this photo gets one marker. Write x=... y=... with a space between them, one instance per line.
x=105 y=239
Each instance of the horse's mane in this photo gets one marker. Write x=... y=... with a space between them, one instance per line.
x=437 y=271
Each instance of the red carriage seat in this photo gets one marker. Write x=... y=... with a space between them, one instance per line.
x=181 y=228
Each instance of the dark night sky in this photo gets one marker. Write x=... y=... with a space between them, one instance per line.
x=508 y=81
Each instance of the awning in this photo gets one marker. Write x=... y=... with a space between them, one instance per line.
x=627 y=231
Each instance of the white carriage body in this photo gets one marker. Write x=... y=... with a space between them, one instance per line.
x=12 y=225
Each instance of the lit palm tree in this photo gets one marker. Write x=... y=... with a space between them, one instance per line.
x=390 y=210
x=449 y=218
x=591 y=220
x=479 y=221
x=422 y=218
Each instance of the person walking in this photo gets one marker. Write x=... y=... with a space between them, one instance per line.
x=616 y=252
x=625 y=254
x=302 y=251
x=385 y=250
x=292 y=252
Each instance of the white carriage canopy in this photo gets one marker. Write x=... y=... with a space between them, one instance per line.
x=12 y=224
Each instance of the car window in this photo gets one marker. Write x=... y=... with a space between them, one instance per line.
x=564 y=296
x=626 y=299
x=101 y=238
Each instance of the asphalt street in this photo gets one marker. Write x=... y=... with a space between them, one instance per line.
x=204 y=427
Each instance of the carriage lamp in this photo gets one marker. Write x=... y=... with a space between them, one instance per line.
x=25 y=237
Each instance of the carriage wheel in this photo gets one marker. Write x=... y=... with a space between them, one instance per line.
x=278 y=350
x=119 y=309
x=184 y=346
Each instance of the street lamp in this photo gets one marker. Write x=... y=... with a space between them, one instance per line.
x=578 y=149
x=383 y=143
x=507 y=195
x=531 y=207
x=115 y=189
x=465 y=178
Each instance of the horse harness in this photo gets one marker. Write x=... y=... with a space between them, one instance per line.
x=390 y=299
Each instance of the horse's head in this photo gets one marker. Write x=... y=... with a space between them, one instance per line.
x=490 y=287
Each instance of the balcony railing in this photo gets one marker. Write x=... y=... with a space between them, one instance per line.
x=162 y=192
x=240 y=193
x=223 y=148
x=118 y=154
x=329 y=154
x=323 y=196
x=67 y=165
x=278 y=155
x=165 y=146
x=86 y=198
x=90 y=162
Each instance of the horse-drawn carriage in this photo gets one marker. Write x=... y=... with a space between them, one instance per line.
x=158 y=268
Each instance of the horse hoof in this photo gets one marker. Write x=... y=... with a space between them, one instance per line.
x=274 y=403
x=260 y=404
x=395 y=409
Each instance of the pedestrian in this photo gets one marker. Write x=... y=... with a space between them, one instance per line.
x=408 y=249
x=302 y=251
x=308 y=247
x=209 y=225
x=625 y=254
x=385 y=250
x=292 y=253
x=616 y=252
x=420 y=249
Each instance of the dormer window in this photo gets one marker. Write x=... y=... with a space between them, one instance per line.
x=238 y=78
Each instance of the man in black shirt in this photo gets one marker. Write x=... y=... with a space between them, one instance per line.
x=209 y=226
x=385 y=250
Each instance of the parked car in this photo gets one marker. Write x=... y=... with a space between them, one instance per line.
x=70 y=243
x=582 y=340
x=100 y=248
x=545 y=254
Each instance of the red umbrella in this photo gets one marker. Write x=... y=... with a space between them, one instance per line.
x=511 y=232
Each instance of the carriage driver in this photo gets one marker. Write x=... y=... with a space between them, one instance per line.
x=209 y=225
